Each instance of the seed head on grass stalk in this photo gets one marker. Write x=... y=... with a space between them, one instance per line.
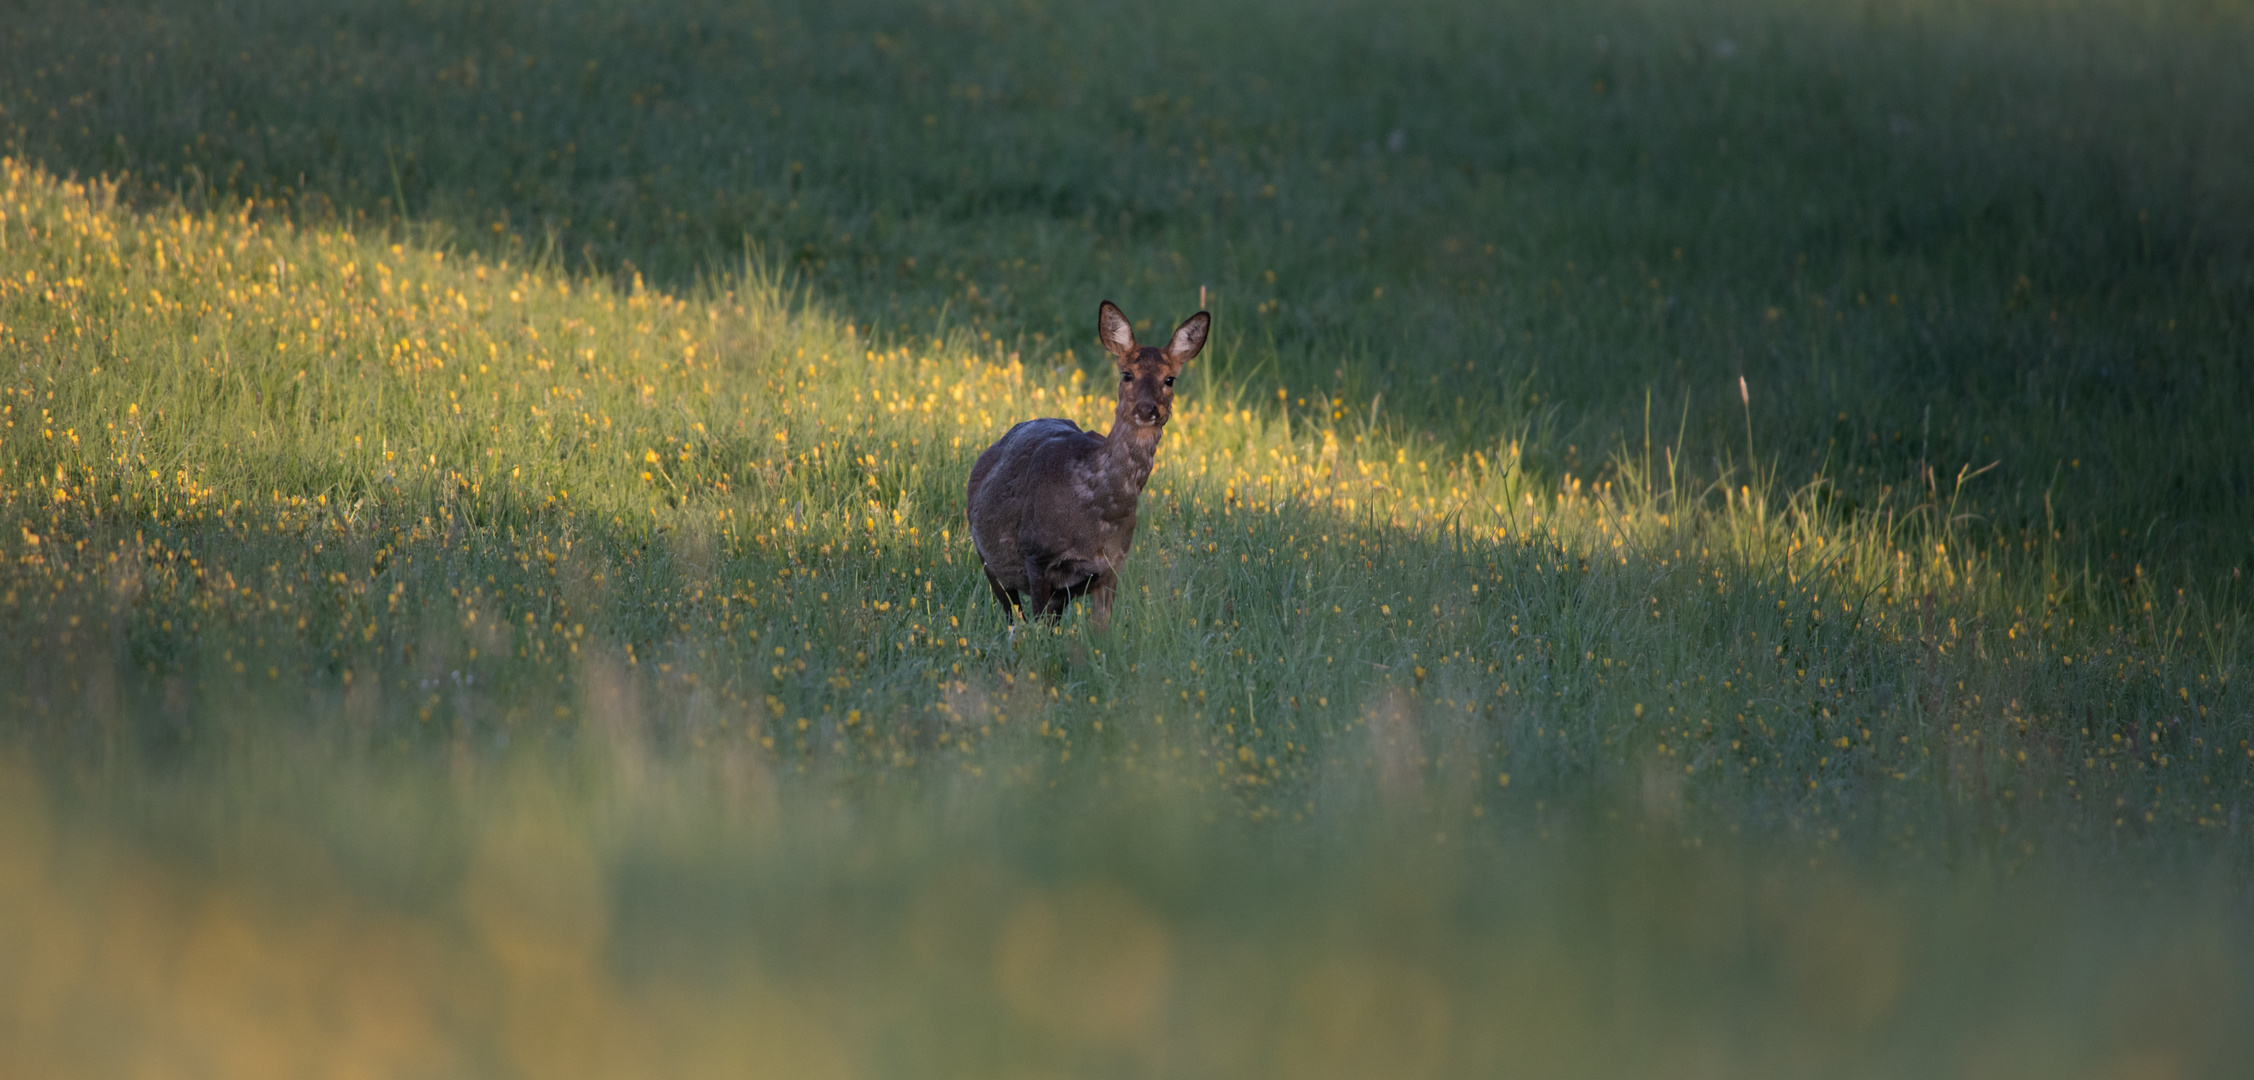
x=1745 y=400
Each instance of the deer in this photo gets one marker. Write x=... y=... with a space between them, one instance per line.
x=1052 y=507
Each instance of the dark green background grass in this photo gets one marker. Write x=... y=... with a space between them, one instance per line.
x=1929 y=237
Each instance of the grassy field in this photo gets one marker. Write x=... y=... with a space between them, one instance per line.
x=1708 y=540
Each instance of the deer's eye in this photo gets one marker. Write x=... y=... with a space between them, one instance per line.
x=1170 y=380
x=1126 y=377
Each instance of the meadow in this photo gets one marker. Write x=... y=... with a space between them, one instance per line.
x=1709 y=539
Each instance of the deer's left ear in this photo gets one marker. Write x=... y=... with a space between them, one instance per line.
x=1189 y=339
x=1114 y=331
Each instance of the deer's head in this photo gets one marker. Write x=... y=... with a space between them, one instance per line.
x=1146 y=375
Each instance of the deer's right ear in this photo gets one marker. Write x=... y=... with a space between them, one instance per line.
x=1116 y=333
x=1188 y=340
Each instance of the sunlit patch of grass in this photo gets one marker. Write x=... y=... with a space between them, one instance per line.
x=430 y=494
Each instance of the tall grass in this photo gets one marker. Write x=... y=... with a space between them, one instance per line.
x=537 y=648
x=439 y=486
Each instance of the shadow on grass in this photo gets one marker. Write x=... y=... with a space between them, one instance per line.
x=1288 y=663
x=1012 y=861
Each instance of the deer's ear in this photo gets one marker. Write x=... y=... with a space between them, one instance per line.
x=1189 y=339
x=1114 y=330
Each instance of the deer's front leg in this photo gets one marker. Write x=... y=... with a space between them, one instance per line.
x=1007 y=598
x=1106 y=584
x=1042 y=592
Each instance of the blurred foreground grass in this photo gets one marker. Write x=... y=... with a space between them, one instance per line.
x=632 y=913
x=446 y=650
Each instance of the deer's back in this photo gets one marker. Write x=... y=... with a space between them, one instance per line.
x=1024 y=494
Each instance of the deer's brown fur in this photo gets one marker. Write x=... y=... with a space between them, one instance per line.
x=1052 y=507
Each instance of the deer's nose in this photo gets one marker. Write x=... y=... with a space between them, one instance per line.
x=1147 y=412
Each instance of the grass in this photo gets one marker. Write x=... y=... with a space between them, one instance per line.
x=486 y=567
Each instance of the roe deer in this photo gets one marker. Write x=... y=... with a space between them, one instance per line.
x=1052 y=507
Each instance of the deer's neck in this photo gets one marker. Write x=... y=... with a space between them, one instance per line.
x=1124 y=466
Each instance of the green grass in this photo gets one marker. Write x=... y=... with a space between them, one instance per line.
x=1928 y=239
x=485 y=562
